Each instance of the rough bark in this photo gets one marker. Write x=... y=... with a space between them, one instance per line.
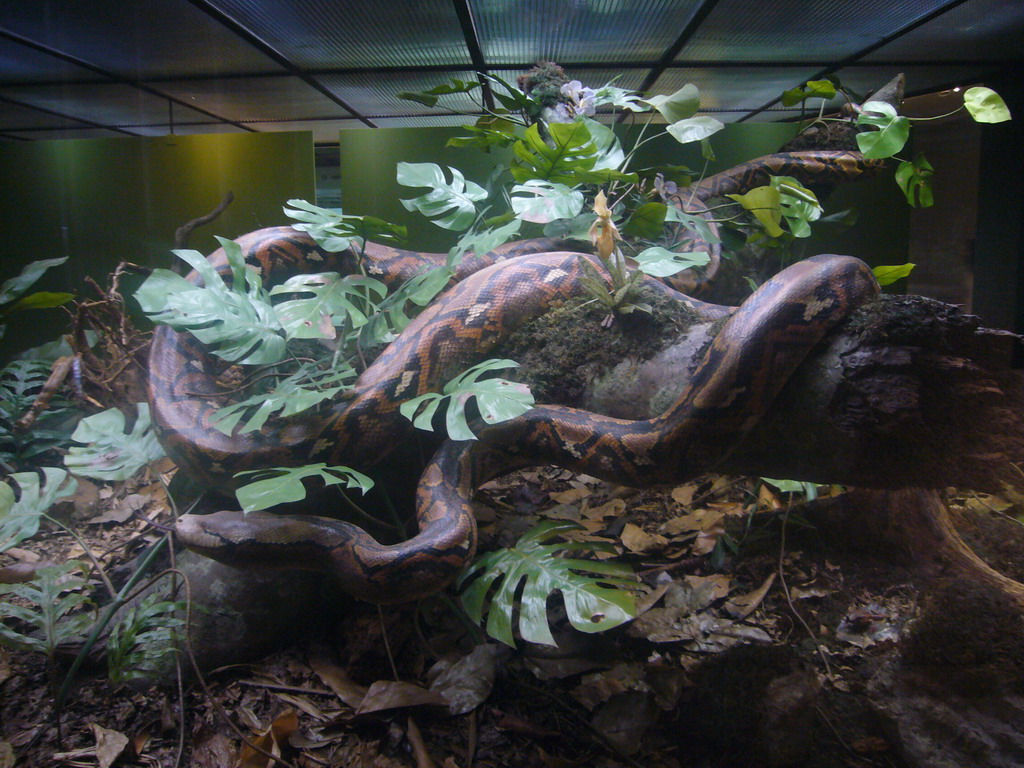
x=907 y=392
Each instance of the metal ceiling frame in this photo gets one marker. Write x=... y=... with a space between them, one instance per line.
x=468 y=25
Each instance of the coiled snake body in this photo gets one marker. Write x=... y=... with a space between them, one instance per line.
x=747 y=364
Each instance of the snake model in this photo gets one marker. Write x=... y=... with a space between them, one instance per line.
x=742 y=371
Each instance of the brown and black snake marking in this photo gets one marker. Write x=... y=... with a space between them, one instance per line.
x=744 y=368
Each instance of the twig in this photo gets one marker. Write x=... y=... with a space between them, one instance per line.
x=181 y=234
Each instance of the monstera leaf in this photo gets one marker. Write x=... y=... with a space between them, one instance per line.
x=237 y=321
x=661 y=262
x=335 y=301
x=282 y=485
x=19 y=520
x=450 y=206
x=392 y=313
x=290 y=396
x=112 y=453
x=334 y=230
x=571 y=151
x=542 y=202
x=497 y=400
x=592 y=590
x=893 y=130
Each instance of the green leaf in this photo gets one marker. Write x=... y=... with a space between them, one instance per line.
x=55 y=600
x=915 y=179
x=112 y=453
x=591 y=589
x=661 y=262
x=484 y=241
x=429 y=98
x=576 y=228
x=39 y=300
x=334 y=230
x=283 y=485
x=19 y=520
x=141 y=639
x=571 y=151
x=543 y=201
x=488 y=132
x=513 y=99
x=809 y=490
x=292 y=395
x=824 y=89
x=497 y=400
x=764 y=203
x=887 y=275
x=891 y=136
x=610 y=155
x=336 y=301
x=237 y=321
x=646 y=222
x=694 y=129
x=14 y=287
x=450 y=206
x=681 y=105
x=798 y=204
x=619 y=97
x=392 y=317
x=985 y=105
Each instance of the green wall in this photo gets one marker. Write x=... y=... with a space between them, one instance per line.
x=368 y=186
x=101 y=201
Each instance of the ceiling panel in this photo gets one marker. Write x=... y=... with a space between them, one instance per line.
x=67 y=133
x=106 y=103
x=526 y=31
x=375 y=94
x=135 y=38
x=15 y=116
x=327 y=34
x=987 y=30
x=797 y=30
x=264 y=98
x=21 y=64
x=731 y=92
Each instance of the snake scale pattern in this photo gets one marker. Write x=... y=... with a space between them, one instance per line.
x=745 y=367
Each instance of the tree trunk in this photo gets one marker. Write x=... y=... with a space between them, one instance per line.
x=908 y=392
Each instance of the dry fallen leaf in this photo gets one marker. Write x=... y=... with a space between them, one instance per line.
x=271 y=740
x=109 y=745
x=684 y=494
x=744 y=605
x=636 y=539
x=568 y=497
x=386 y=694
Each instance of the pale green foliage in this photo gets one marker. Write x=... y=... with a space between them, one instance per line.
x=335 y=301
x=891 y=136
x=543 y=201
x=145 y=635
x=301 y=390
x=497 y=400
x=886 y=275
x=448 y=205
x=808 y=490
x=19 y=519
x=985 y=105
x=111 y=452
x=824 y=89
x=661 y=262
x=597 y=594
x=335 y=231
x=21 y=381
x=55 y=614
x=238 y=321
x=281 y=485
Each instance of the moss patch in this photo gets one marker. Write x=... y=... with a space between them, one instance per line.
x=561 y=351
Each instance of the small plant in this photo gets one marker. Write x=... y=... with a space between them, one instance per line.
x=21 y=381
x=142 y=639
x=598 y=594
x=57 y=610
